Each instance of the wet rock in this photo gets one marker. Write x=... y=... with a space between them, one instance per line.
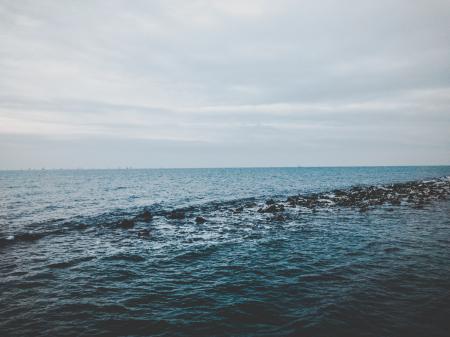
x=127 y=223
x=270 y=202
x=272 y=208
x=419 y=205
x=292 y=201
x=339 y=193
x=144 y=233
x=396 y=202
x=176 y=215
x=238 y=210
x=81 y=226
x=364 y=209
x=278 y=217
x=200 y=220
x=145 y=216
x=29 y=236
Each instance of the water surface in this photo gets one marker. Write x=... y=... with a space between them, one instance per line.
x=68 y=268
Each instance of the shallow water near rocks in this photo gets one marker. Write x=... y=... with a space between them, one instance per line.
x=68 y=268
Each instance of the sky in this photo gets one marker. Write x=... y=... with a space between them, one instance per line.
x=236 y=83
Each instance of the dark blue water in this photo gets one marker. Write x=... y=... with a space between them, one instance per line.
x=68 y=265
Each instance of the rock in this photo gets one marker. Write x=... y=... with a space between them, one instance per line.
x=238 y=210
x=339 y=193
x=364 y=208
x=395 y=202
x=29 y=236
x=278 y=217
x=81 y=226
x=144 y=233
x=270 y=202
x=272 y=209
x=292 y=201
x=200 y=220
x=419 y=205
x=127 y=223
x=176 y=215
x=145 y=216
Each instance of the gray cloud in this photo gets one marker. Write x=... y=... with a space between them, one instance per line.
x=224 y=83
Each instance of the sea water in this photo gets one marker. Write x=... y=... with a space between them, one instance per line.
x=68 y=266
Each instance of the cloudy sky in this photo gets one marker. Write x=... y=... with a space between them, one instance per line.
x=104 y=84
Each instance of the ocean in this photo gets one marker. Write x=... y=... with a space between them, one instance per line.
x=351 y=251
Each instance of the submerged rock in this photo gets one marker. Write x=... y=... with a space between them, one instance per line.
x=145 y=216
x=30 y=236
x=278 y=217
x=238 y=210
x=272 y=209
x=176 y=215
x=364 y=209
x=127 y=223
x=270 y=202
x=144 y=233
x=200 y=220
x=292 y=201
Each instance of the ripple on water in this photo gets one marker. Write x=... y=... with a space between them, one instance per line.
x=70 y=263
x=321 y=273
x=125 y=257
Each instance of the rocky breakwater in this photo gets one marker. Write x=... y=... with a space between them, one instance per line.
x=415 y=194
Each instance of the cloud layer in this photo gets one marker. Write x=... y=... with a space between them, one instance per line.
x=224 y=83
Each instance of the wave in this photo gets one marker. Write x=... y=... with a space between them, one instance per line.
x=413 y=194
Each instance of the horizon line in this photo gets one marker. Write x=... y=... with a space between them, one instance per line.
x=219 y=167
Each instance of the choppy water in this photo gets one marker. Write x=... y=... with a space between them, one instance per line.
x=373 y=262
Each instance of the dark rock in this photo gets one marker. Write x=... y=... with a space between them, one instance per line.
x=272 y=209
x=29 y=236
x=419 y=205
x=364 y=208
x=238 y=210
x=278 y=217
x=396 y=202
x=144 y=233
x=291 y=199
x=127 y=223
x=145 y=216
x=270 y=202
x=200 y=220
x=80 y=226
x=339 y=193
x=176 y=215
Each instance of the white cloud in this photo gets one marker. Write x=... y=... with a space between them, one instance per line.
x=230 y=72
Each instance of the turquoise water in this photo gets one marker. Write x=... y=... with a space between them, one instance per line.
x=70 y=267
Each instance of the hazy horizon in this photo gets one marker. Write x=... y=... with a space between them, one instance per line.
x=217 y=167
x=174 y=84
